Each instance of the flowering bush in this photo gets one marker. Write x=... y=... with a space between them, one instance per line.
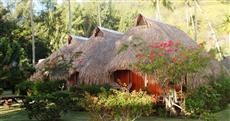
x=119 y=105
x=170 y=61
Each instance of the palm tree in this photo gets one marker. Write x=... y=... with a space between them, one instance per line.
x=190 y=17
x=32 y=30
x=166 y=3
x=70 y=17
x=99 y=14
x=218 y=47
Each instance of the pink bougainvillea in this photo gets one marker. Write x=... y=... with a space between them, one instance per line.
x=169 y=61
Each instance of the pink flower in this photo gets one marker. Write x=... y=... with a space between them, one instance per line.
x=169 y=50
x=161 y=54
x=161 y=44
x=170 y=43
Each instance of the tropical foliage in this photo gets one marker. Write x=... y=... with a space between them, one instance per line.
x=209 y=98
x=119 y=105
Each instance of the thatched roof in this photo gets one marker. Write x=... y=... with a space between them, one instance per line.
x=96 y=53
x=64 y=52
x=78 y=39
x=226 y=62
x=149 y=31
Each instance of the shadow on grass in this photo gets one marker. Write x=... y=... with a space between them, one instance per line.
x=18 y=115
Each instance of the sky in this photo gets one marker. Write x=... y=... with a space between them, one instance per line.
x=37 y=6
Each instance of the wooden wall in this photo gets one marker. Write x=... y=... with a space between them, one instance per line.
x=127 y=76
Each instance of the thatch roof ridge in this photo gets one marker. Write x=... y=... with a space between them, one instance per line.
x=110 y=30
x=165 y=28
x=100 y=31
x=79 y=38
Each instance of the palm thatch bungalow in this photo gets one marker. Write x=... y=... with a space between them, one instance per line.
x=150 y=31
x=64 y=52
x=89 y=68
x=98 y=60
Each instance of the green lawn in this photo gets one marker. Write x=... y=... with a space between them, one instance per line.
x=74 y=116
x=20 y=115
x=83 y=116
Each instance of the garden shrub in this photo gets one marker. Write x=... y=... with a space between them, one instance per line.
x=47 y=100
x=92 y=89
x=48 y=107
x=39 y=87
x=24 y=88
x=222 y=86
x=119 y=106
x=50 y=86
x=79 y=94
x=209 y=99
x=205 y=98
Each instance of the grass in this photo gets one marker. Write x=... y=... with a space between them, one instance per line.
x=20 y=115
x=75 y=116
x=224 y=115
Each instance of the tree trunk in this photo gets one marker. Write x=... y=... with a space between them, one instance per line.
x=158 y=17
x=218 y=48
x=70 y=18
x=195 y=23
x=99 y=14
x=32 y=30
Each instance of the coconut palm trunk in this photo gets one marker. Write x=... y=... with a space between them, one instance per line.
x=70 y=17
x=99 y=14
x=195 y=22
x=218 y=48
x=32 y=30
x=158 y=16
